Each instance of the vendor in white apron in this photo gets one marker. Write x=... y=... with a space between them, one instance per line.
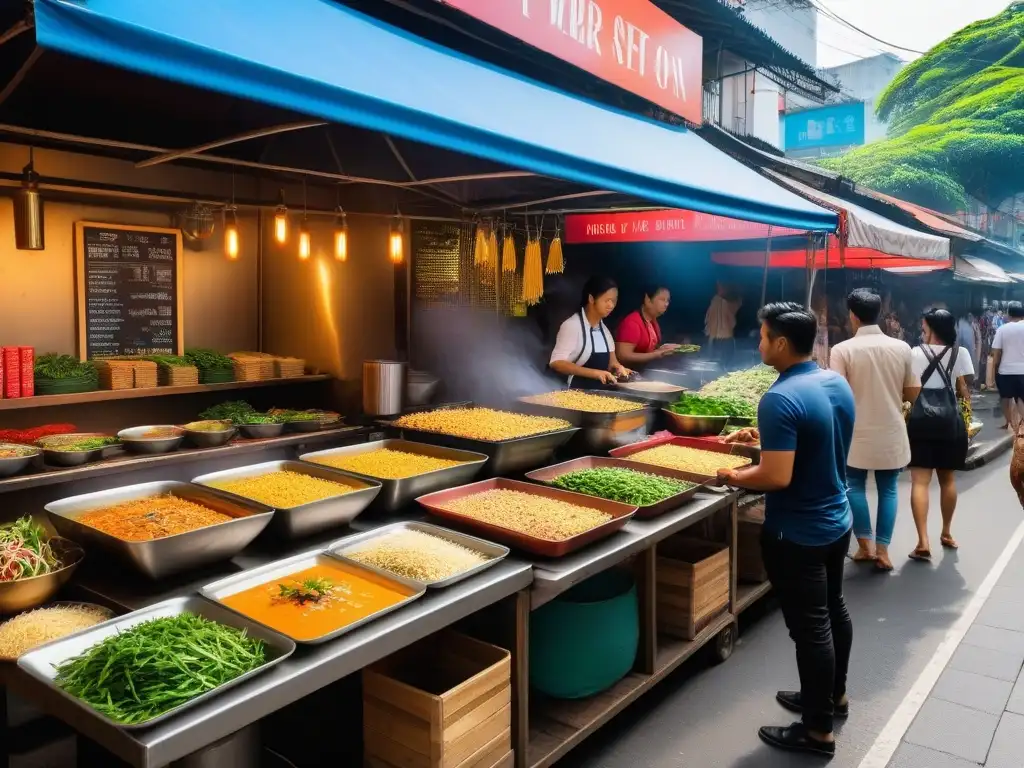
x=584 y=350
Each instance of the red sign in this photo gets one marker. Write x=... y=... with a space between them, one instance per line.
x=631 y=43
x=664 y=226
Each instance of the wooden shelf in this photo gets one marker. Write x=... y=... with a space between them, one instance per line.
x=102 y=395
x=128 y=462
x=558 y=726
x=748 y=594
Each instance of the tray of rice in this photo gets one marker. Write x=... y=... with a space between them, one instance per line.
x=308 y=498
x=699 y=457
x=426 y=555
x=31 y=629
x=534 y=518
x=514 y=442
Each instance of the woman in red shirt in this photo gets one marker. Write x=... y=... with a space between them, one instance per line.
x=638 y=337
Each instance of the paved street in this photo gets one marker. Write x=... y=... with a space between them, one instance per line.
x=708 y=716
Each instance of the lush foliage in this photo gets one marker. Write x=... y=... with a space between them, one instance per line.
x=956 y=121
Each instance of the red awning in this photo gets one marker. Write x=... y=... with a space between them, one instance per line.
x=662 y=226
x=825 y=258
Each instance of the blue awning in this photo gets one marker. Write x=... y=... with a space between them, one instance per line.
x=322 y=59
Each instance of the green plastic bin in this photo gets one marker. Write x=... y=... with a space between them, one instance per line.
x=585 y=640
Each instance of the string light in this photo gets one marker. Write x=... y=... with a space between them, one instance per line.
x=397 y=247
x=281 y=220
x=340 y=235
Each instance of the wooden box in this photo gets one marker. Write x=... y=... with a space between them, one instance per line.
x=749 y=563
x=445 y=702
x=692 y=585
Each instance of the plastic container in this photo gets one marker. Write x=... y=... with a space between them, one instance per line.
x=585 y=640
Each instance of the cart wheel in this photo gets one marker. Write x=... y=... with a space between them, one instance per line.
x=725 y=641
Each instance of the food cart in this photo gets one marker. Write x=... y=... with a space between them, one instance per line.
x=325 y=318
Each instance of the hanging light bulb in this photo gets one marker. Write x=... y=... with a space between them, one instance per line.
x=230 y=233
x=281 y=220
x=305 y=241
x=397 y=247
x=28 y=210
x=340 y=235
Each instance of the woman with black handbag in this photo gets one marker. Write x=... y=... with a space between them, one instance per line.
x=938 y=434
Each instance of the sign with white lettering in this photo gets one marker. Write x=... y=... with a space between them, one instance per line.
x=664 y=226
x=631 y=43
x=129 y=290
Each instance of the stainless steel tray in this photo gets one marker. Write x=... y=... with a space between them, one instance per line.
x=494 y=552
x=506 y=456
x=305 y=519
x=161 y=557
x=39 y=663
x=396 y=494
x=16 y=464
x=600 y=432
x=230 y=585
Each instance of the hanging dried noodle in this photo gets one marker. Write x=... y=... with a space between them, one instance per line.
x=492 y=248
x=556 y=264
x=480 y=249
x=533 y=273
x=508 y=254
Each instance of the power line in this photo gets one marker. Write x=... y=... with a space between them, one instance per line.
x=836 y=17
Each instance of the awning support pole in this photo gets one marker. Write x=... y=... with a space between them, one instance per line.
x=259 y=133
x=767 y=261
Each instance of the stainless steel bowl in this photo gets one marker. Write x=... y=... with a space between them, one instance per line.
x=694 y=426
x=202 y=438
x=135 y=441
x=160 y=557
x=72 y=458
x=15 y=464
x=260 y=431
x=316 y=516
x=24 y=594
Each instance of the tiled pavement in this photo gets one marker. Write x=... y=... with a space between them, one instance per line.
x=975 y=713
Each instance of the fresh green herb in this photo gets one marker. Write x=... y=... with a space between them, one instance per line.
x=257 y=418
x=138 y=674
x=25 y=551
x=286 y=416
x=53 y=366
x=234 y=411
x=169 y=361
x=87 y=444
x=207 y=359
x=692 y=404
x=625 y=485
x=307 y=591
x=748 y=385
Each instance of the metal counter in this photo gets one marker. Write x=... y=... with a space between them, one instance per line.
x=553 y=577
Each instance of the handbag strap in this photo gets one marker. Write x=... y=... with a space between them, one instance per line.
x=934 y=364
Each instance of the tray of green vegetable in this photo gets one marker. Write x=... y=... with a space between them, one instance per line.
x=214 y=368
x=75 y=449
x=64 y=375
x=142 y=668
x=652 y=490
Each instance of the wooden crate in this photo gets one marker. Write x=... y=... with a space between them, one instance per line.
x=445 y=702
x=692 y=585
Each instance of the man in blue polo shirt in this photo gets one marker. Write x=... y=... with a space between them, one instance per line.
x=805 y=425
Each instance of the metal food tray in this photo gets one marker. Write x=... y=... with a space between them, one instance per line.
x=621 y=513
x=15 y=464
x=75 y=458
x=506 y=456
x=624 y=420
x=548 y=475
x=161 y=557
x=495 y=553
x=305 y=519
x=733 y=449
x=668 y=395
x=39 y=664
x=230 y=585
x=396 y=493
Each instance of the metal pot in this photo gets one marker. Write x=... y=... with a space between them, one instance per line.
x=383 y=387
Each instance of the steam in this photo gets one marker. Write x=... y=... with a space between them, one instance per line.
x=481 y=356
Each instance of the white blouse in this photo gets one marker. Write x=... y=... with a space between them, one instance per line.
x=577 y=340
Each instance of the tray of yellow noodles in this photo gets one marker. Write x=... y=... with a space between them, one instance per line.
x=405 y=469
x=512 y=442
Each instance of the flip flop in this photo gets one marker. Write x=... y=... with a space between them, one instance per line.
x=882 y=567
x=859 y=558
x=948 y=542
x=921 y=555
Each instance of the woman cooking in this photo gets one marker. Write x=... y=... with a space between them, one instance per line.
x=584 y=350
x=638 y=337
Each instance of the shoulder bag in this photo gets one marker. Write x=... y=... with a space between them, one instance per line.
x=935 y=415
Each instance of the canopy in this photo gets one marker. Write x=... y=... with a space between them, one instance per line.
x=971 y=269
x=825 y=258
x=325 y=60
x=867 y=229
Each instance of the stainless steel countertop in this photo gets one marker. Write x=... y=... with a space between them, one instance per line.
x=553 y=577
x=308 y=670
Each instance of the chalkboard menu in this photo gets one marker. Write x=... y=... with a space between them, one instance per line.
x=129 y=290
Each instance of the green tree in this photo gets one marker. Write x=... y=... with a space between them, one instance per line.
x=956 y=121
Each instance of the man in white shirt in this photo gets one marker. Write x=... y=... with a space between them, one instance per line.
x=1008 y=360
x=880 y=372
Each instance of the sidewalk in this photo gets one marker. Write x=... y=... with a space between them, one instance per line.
x=975 y=713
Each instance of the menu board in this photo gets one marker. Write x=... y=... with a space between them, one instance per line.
x=129 y=290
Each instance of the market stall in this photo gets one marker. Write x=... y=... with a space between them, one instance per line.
x=259 y=529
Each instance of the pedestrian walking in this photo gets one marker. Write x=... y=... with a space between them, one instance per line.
x=880 y=372
x=1008 y=360
x=938 y=434
x=805 y=426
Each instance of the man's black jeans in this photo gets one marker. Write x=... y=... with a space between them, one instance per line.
x=808 y=583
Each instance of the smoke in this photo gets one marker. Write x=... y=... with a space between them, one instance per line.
x=481 y=356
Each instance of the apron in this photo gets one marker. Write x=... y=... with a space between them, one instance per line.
x=598 y=361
